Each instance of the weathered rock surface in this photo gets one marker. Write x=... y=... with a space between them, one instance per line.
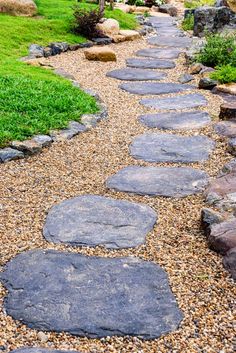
x=129 y=35
x=36 y=51
x=226 y=128
x=89 y=296
x=153 y=147
x=222 y=236
x=176 y=121
x=210 y=217
x=184 y=78
x=130 y=74
x=207 y=83
x=232 y=146
x=168 y=8
x=227 y=88
x=43 y=140
x=159 y=181
x=166 y=41
x=196 y=68
x=159 y=53
x=9 y=154
x=29 y=147
x=95 y=220
x=150 y=64
x=155 y=88
x=229 y=262
x=18 y=7
x=74 y=128
x=100 y=54
x=175 y=103
x=109 y=26
x=228 y=111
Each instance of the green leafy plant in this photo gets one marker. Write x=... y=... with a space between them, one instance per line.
x=85 y=22
x=188 y=23
x=224 y=74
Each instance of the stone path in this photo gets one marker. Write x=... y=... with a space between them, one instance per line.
x=92 y=296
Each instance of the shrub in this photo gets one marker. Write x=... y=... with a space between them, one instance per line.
x=188 y=23
x=85 y=22
x=150 y=3
x=218 y=51
x=224 y=74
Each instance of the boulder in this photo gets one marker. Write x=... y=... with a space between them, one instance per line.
x=222 y=236
x=229 y=262
x=100 y=54
x=129 y=34
x=18 y=7
x=29 y=147
x=228 y=111
x=227 y=88
x=109 y=26
x=36 y=51
x=207 y=83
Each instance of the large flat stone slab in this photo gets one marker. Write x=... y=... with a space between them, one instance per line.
x=176 y=121
x=158 y=21
x=92 y=220
x=159 y=53
x=168 y=41
x=159 y=181
x=150 y=64
x=174 y=103
x=155 y=88
x=90 y=296
x=129 y=74
x=153 y=147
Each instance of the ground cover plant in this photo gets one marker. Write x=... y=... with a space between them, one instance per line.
x=188 y=23
x=18 y=118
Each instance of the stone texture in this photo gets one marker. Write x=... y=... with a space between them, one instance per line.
x=228 y=111
x=129 y=35
x=100 y=54
x=18 y=7
x=29 y=147
x=208 y=218
x=155 y=88
x=36 y=51
x=175 y=103
x=109 y=26
x=92 y=220
x=103 y=41
x=168 y=8
x=184 y=78
x=222 y=236
x=130 y=74
x=150 y=64
x=229 y=262
x=90 y=296
x=232 y=146
x=176 y=121
x=167 y=41
x=153 y=147
x=207 y=83
x=43 y=140
x=159 y=181
x=40 y=350
x=74 y=128
x=9 y=154
x=227 y=88
x=226 y=128
x=159 y=53
x=158 y=21
x=196 y=68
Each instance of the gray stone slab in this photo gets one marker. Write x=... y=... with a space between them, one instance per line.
x=159 y=53
x=90 y=296
x=161 y=21
x=129 y=74
x=150 y=64
x=10 y=154
x=153 y=147
x=186 y=101
x=168 y=41
x=40 y=350
x=92 y=220
x=155 y=88
x=159 y=181
x=169 y=31
x=176 y=121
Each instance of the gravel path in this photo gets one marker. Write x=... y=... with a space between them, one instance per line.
x=29 y=188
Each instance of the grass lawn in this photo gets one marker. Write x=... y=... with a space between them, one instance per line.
x=34 y=100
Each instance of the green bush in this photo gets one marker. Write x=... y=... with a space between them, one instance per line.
x=85 y=22
x=218 y=51
x=188 y=23
x=193 y=4
x=225 y=74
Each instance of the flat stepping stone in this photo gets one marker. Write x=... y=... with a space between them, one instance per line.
x=176 y=121
x=159 y=53
x=152 y=88
x=170 y=31
x=130 y=74
x=96 y=220
x=161 y=21
x=168 y=41
x=174 y=103
x=40 y=350
x=150 y=64
x=226 y=128
x=90 y=296
x=159 y=181
x=154 y=147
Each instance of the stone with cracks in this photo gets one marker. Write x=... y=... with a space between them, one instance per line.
x=150 y=64
x=155 y=88
x=165 y=41
x=174 y=103
x=159 y=53
x=159 y=181
x=130 y=74
x=176 y=121
x=90 y=296
x=92 y=220
x=153 y=147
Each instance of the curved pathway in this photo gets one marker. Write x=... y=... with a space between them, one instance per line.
x=161 y=279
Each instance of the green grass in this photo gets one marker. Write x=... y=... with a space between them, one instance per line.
x=188 y=23
x=22 y=85
x=224 y=74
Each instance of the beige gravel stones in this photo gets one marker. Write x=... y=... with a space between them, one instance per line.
x=100 y=54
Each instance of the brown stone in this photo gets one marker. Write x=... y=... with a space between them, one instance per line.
x=222 y=236
x=118 y=38
x=18 y=7
x=130 y=34
x=228 y=111
x=226 y=128
x=195 y=69
x=229 y=262
x=229 y=88
x=100 y=54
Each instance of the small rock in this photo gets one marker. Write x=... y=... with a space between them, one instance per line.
x=168 y=8
x=222 y=237
x=109 y=26
x=9 y=154
x=195 y=68
x=226 y=128
x=29 y=147
x=228 y=111
x=100 y=54
x=229 y=167
x=232 y=146
x=42 y=337
x=210 y=217
x=74 y=128
x=36 y=51
x=229 y=262
x=43 y=140
x=47 y=51
x=89 y=120
x=207 y=83
x=102 y=41
x=229 y=88
x=129 y=35
x=185 y=78
x=58 y=48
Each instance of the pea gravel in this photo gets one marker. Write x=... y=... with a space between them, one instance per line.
x=29 y=188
